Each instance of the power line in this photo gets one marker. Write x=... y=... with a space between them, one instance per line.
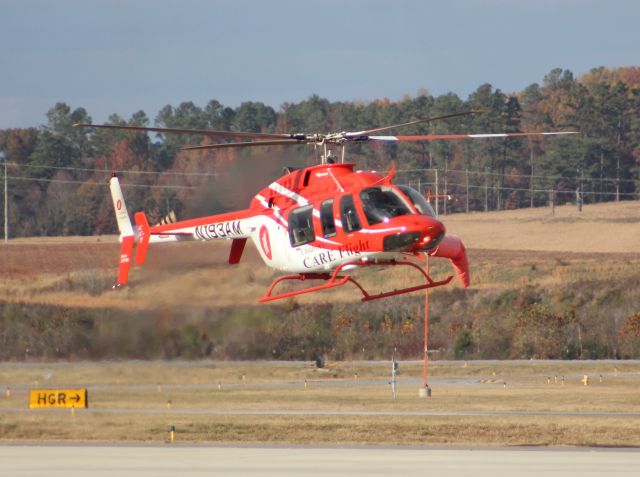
x=557 y=191
x=398 y=171
x=109 y=171
x=98 y=184
x=498 y=174
x=450 y=184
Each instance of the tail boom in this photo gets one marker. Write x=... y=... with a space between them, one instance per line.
x=235 y=226
x=232 y=225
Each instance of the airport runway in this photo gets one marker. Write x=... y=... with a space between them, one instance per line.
x=154 y=461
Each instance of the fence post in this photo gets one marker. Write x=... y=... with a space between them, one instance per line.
x=467 y=183
x=437 y=192
x=486 y=189
x=6 y=201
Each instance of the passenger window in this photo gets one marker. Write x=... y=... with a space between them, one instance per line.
x=349 y=215
x=301 y=226
x=326 y=218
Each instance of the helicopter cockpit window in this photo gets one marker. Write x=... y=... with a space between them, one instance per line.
x=326 y=218
x=419 y=202
x=382 y=203
x=349 y=214
x=301 y=226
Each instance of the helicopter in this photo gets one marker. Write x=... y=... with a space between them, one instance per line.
x=317 y=223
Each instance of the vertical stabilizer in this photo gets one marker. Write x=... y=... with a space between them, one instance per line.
x=126 y=232
x=122 y=216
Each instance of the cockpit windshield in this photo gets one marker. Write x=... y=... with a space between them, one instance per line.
x=382 y=203
x=419 y=202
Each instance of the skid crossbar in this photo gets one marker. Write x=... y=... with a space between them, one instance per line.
x=335 y=280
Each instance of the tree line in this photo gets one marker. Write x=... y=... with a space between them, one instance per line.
x=57 y=174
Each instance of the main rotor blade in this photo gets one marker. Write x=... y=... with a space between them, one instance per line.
x=283 y=142
x=432 y=137
x=198 y=132
x=411 y=123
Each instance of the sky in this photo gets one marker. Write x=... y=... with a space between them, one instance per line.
x=116 y=56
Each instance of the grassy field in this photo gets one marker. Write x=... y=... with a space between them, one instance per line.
x=347 y=403
x=350 y=402
x=599 y=228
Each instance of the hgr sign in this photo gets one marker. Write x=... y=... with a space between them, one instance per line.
x=46 y=398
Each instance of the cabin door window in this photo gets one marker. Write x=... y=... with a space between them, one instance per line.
x=301 y=226
x=327 y=220
x=349 y=214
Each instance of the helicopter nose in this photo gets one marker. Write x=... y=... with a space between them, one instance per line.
x=433 y=234
x=423 y=233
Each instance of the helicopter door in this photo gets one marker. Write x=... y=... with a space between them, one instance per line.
x=327 y=219
x=349 y=215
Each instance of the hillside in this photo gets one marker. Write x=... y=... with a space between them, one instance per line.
x=78 y=271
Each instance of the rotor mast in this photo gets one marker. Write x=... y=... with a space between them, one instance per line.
x=327 y=156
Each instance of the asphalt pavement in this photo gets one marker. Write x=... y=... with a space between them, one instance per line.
x=186 y=461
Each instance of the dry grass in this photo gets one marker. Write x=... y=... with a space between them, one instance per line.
x=600 y=228
x=174 y=277
x=256 y=372
x=129 y=403
x=334 y=430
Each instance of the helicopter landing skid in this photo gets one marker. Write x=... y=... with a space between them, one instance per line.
x=335 y=280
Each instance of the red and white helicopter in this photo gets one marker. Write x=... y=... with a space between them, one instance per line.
x=315 y=223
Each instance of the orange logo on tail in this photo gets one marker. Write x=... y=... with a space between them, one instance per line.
x=265 y=243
